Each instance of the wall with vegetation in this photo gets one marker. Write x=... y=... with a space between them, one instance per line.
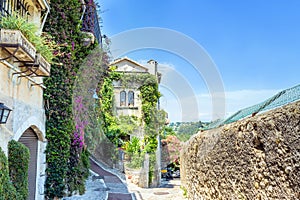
x=65 y=146
x=256 y=158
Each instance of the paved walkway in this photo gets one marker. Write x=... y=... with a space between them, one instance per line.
x=117 y=189
x=104 y=184
x=169 y=190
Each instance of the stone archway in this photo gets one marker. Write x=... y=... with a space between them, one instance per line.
x=30 y=139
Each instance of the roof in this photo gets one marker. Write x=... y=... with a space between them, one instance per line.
x=119 y=60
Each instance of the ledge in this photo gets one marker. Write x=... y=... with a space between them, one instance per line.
x=127 y=107
x=14 y=42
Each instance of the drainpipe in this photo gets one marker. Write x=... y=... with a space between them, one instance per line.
x=46 y=15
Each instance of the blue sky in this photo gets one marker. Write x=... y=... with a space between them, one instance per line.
x=254 y=44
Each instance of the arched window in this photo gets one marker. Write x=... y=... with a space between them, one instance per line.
x=122 y=98
x=130 y=98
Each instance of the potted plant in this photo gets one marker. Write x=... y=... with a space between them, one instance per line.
x=17 y=32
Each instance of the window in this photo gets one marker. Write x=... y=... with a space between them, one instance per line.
x=130 y=98
x=122 y=98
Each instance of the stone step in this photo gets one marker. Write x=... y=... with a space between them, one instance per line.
x=119 y=196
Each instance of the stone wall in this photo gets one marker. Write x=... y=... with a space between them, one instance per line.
x=256 y=158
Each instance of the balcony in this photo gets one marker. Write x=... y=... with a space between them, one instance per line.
x=40 y=67
x=18 y=47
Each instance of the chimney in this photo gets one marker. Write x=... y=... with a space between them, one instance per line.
x=152 y=65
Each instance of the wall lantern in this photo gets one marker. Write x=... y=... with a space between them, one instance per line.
x=4 y=113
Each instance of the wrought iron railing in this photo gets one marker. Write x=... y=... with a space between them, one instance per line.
x=91 y=20
x=97 y=30
x=21 y=7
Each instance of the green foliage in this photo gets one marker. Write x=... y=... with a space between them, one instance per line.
x=135 y=80
x=110 y=124
x=185 y=193
x=133 y=146
x=166 y=131
x=186 y=130
x=150 y=142
x=114 y=127
x=150 y=95
x=29 y=30
x=81 y=169
x=18 y=159
x=57 y=154
x=129 y=124
x=64 y=26
x=7 y=190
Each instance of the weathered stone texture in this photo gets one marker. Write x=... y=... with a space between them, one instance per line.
x=256 y=158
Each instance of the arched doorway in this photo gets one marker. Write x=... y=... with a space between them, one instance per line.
x=30 y=140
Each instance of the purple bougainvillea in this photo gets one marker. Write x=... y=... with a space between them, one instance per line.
x=80 y=121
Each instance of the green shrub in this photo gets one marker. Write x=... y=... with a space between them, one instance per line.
x=7 y=190
x=151 y=143
x=18 y=161
x=132 y=146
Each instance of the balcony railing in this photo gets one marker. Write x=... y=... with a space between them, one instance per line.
x=91 y=21
x=7 y=7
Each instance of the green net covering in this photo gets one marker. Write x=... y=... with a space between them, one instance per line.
x=282 y=98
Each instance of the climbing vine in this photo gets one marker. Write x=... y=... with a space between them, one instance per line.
x=108 y=117
x=148 y=86
x=152 y=119
x=65 y=146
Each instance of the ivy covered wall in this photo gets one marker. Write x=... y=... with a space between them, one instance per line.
x=151 y=120
x=65 y=167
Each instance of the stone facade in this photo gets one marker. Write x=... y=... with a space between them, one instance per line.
x=256 y=158
x=24 y=95
x=124 y=106
x=129 y=103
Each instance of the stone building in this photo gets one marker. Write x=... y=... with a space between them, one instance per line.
x=128 y=102
x=21 y=89
x=127 y=99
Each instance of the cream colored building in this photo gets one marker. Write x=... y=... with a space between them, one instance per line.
x=21 y=89
x=127 y=98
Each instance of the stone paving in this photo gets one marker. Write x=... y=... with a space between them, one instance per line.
x=169 y=190
x=105 y=185
x=95 y=189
